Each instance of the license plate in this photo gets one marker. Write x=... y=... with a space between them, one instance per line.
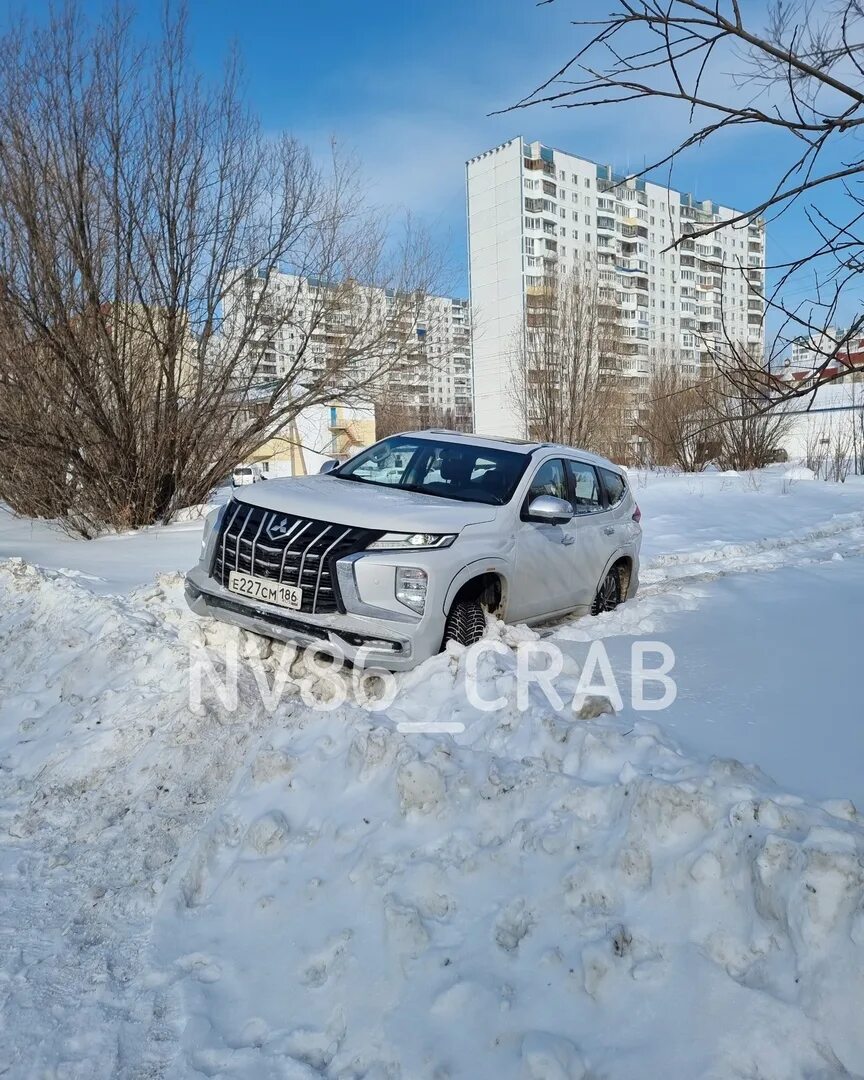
x=259 y=588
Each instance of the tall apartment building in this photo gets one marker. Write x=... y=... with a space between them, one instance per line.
x=534 y=211
x=436 y=386
x=441 y=391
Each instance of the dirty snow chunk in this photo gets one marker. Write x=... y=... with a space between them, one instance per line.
x=254 y=646
x=513 y=925
x=421 y=786
x=595 y=705
x=268 y=834
x=271 y=765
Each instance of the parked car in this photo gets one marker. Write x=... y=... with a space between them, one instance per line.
x=410 y=543
x=246 y=474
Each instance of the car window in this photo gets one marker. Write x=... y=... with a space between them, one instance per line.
x=450 y=469
x=615 y=485
x=389 y=463
x=550 y=479
x=586 y=488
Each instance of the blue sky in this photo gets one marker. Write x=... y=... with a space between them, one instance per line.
x=408 y=86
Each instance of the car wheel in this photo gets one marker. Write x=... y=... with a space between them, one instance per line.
x=466 y=622
x=609 y=594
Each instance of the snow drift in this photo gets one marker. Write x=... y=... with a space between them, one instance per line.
x=310 y=893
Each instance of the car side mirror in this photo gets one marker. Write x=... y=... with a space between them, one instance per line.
x=328 y=466
x=549 y=509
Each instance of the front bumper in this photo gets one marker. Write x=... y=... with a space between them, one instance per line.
x=392 y=643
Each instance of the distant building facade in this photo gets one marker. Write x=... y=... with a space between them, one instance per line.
x=535 y=211
x=436 y=384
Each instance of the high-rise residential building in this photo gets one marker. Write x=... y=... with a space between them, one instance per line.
x=534 y=211
x=439 y=393
x=433 y=387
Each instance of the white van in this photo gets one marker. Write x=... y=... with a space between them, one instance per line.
x=246 y=474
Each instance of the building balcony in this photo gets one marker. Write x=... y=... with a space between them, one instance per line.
x=540 y=165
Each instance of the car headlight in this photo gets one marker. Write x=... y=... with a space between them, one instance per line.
x=411 y=541
x=411 y=584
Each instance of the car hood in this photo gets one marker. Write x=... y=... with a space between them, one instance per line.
x=367 y=506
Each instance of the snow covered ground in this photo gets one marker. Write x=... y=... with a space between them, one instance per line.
x=304 y=893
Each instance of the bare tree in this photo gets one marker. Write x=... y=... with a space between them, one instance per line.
x=393 y=416
x=677 y=422
x=566 y=364
x=829 y=449
x=156 y=250
x=816 y=449
x=736 y=418
x=799 y=76
x=750 y=428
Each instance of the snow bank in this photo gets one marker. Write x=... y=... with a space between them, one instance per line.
x=540 y=897
x=799 y=472
x=105 y=777
x=314 y=894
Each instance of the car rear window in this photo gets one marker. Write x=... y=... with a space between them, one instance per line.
x=615 y=485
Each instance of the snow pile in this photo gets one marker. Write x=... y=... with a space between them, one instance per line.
x=105 y=776
x=799 y=472
x=314 y=893
x=539 y=896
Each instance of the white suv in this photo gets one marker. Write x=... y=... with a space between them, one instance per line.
x=410 y=543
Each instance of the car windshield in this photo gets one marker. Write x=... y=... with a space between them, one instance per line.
x=242 y=472
x=451 y=470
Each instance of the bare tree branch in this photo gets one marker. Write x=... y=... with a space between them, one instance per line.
x=154 y=245
x=799 y=76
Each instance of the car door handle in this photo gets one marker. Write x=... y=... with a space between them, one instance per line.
x=609 y=529
x=568 y=539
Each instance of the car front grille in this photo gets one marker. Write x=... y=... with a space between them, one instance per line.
x=289 y=549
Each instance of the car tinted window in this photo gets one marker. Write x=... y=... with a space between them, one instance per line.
x=550 y=479
x=452 y=470
x=586 y=488
x=615 y=485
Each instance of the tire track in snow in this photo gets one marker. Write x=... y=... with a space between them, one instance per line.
x=670 y=583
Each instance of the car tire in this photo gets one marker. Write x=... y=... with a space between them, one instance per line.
x=466 y=622
x=608 y=595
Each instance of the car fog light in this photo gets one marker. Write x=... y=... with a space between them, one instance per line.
x=411 y=587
